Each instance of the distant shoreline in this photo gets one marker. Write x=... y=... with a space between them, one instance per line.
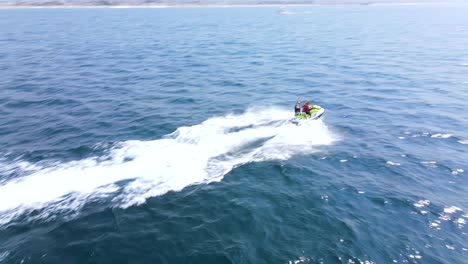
x=210 y=5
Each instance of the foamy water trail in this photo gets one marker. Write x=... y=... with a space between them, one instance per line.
x=138 y=170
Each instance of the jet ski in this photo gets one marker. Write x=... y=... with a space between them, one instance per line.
x=316 y=112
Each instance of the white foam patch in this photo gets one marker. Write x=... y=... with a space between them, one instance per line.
x=137 y=170
x=7 y=168
x=457 y=171
x=464 y=142
x=4 y=255
x=299 y=260
x=431 y=164
x=350 y=261
x=422 y=203
x=415 y=256
x=441 y=136
x=444 y=217
x=391 y=163
x=451 y=209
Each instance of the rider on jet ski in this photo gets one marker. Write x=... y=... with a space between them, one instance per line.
x=309 y=112
x=306 y=108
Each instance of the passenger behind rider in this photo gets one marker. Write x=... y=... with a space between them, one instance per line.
x=297 y=107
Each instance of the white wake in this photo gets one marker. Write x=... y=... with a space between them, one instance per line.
x=137 y=170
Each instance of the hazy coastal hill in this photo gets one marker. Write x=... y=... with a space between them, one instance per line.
x=196 y=2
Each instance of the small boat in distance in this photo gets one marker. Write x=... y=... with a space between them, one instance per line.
x=284 y=11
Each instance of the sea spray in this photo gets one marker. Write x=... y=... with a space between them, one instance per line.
x=137 y=170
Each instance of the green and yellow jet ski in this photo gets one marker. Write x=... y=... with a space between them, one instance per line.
x=316 y=112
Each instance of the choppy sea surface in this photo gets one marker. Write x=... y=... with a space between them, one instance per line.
x=163 y=135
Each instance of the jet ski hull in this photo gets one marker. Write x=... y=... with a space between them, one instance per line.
x=302 y=118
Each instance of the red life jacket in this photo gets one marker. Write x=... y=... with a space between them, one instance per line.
x=306 y=108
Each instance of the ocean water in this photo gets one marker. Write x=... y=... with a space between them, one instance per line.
x=163 y=135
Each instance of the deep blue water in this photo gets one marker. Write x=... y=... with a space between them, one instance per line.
x=162 y=135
